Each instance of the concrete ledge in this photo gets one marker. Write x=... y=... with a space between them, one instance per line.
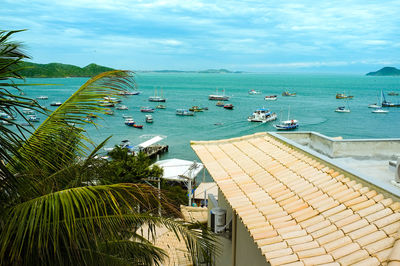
x=336 y=147
x=385 y=188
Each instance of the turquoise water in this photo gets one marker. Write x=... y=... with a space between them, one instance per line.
x=313 y=106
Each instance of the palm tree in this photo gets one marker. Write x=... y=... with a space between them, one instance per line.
x=52 y=212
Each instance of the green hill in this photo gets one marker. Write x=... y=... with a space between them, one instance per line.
x=58 y=70
x=386 y=71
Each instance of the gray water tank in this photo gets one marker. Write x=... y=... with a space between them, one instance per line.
x=218 y=219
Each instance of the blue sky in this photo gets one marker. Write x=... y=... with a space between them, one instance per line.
x=261 y=36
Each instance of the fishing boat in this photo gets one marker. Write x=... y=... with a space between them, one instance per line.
x=288 y=124
x=42 y=97
x=218 y=97
x=160 y=106
x=286 y=93
x=149 y=119
x=380 y=111
x=393 y=93
x=121 y=107
x=342 y=109
x=343 y=96
x=254 y=92
x=129 y=122
x=262 y=115
x=184 y=112
x=33 y=118
x=386 y=103
x=156 y=98
x=138 y=126
x=55 y=103
x=147 y=110
x=228 y=106
x=196 y=109
x=220 y=104
x=271 y=97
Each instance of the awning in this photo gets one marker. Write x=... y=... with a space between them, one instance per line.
x=180 y=170
x=149 y=142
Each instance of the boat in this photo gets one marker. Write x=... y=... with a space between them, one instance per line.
x=106 y=104
x=271 y=97
x=138 y=126
x=156 y=98
x=254 y=92
x=380 y=111
x=91 y=115
x=121 y=107
x=28 y=111
x=374 y=105
x=109 y=112
x=220 y=104
x=343 y=96
x=129 y=122
x=184 y=112
x=147 y=110
x=111 y=99
x=196 y=109
x=149 y=119
x=393 y=93
x=7 y=116
x=126 y=92
x=288 y=124
x=55 y=103
x=42 y=97
x=286 y=93
x=160 y=106
x=228 y=106
x=342 y=109
x=217 y=97
x=126 y=116
x=386 y=103
x=33 y=118
x=262 y=115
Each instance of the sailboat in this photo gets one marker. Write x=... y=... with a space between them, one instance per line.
x=342 y=109
x=375 y=105
x=289 y=124
x=218 y=97
x=388 y=103
x=156 y=98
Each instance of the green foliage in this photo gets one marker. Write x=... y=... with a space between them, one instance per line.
x=53 y=211
x=58 y=70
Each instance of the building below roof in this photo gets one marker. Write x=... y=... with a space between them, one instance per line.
x=288 y=206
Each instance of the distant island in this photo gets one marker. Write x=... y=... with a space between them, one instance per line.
x=386 y=71
x=58 y=70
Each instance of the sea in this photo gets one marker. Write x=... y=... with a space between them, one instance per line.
x=313 y=106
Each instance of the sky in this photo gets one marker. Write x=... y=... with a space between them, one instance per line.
x=347 y=36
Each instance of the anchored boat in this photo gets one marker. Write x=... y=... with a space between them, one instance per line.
x=262 y=115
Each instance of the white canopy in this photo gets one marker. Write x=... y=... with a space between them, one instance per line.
x=180 y=170
x=149 y=142
x=208 y=187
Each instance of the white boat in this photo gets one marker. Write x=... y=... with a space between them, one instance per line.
x=156 y=98
x=262 y=115
x=342 y=109
x=121 y=107
x=218 y=97
x=42 y=97
x=380 y=111
x=184 y=112
x=28 y=111
x=374 y=105
x=55 y=103
x=129 y=122
x=33 y=118
x=288 y=124
x=111 y=99
x=254 y=92
x=126 y=116
x=126 y=92
x=271 y=97
x=149 y=119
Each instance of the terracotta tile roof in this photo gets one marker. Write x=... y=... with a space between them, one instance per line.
x=298 y=210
